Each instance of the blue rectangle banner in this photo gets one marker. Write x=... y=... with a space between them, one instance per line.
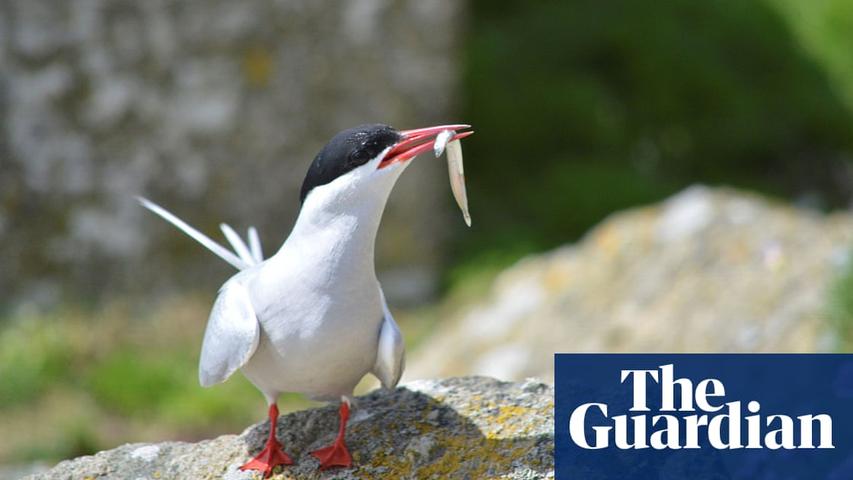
x=704 y=416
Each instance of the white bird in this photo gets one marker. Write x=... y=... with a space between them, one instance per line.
x=312 y=318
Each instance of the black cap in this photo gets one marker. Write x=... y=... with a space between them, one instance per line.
x=348 y=149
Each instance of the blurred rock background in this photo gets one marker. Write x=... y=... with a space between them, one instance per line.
x=708 y=270
x=583 y=109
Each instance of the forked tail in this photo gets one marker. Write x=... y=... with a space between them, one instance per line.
x=244 y=255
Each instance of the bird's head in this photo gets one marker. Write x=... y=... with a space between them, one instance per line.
x=361 y=164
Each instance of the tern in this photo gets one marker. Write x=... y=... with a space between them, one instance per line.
x=312 y=318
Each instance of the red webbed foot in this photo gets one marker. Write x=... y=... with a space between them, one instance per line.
x=336 y=455
x=272 y=455
x=269 y=458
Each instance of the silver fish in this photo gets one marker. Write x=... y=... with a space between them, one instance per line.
x=454 y=169
x=441 y=141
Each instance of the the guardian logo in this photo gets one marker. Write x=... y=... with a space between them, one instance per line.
x=691 y=416
x=703 y=416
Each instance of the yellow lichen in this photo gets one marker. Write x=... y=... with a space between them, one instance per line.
x=480 y=455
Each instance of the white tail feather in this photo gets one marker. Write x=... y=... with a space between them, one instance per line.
x=220 y=251
x=240 y=247
x=255 y=244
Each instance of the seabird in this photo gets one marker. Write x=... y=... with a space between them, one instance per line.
x=312 y=318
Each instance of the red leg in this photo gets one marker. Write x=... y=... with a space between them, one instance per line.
x=272 y=455
x=336 y=454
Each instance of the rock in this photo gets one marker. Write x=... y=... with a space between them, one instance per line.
x=708 y=270
x=213 y=109
x=456 y=428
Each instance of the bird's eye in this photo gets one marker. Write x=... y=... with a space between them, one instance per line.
x=360 y=156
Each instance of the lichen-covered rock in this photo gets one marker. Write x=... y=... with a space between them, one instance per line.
x=708 y=270
x=476 y=428
x=212 y=108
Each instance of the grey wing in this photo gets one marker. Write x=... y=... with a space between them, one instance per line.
x=231 y=337
x=391 y=353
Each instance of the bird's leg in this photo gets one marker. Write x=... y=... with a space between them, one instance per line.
x=272 y=455
x=336 y=454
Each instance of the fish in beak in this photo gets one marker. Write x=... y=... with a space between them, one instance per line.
x=414 y=142
x=438 y=138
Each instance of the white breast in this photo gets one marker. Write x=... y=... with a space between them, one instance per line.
x=320 y=312
x=317 y=300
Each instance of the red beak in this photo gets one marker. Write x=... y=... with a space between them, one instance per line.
x=417 y=141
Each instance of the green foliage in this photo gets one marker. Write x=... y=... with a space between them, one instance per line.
x=135 y=383
x=31 y=358
x=585 y=107
x=825 y=28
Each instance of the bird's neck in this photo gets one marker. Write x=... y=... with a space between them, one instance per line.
x=338 y=232
x=341 y=238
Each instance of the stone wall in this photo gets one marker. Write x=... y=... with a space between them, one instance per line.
x=213 y=109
